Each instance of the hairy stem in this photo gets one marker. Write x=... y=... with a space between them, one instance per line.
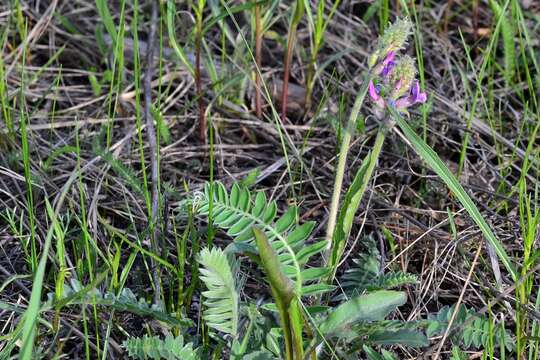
x=371 y=159
x=340 y=170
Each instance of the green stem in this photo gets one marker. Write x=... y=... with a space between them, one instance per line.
x=372 y=158
x=285 y=323
x=340 y=170
x=295 y=317
x=284 y=296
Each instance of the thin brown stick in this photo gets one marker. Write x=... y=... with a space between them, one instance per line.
x=258 y=61
x=151 y=132
x=198 y=81
x=447 y=16
x=458 y=304
x=285 y=89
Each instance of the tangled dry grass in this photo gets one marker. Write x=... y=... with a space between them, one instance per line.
x=57 y=79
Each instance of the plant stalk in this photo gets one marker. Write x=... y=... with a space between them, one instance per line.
x=340 y=170
x=372 y=157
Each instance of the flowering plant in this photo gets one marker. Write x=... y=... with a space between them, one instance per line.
x=392 y=87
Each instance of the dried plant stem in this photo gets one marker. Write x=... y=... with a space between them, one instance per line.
x=151 y=132
x=198 y=80
x=288 y=59
x=258 y=61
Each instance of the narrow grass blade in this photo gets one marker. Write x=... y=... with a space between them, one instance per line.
x=32 y=312
x=508 y=37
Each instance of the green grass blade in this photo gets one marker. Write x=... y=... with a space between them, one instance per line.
x=508 y=37
x=171 y=12
x=436 y=164
x=31 y=314
x=106 y=17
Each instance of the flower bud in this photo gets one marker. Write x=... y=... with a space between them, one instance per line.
x=402 y=76
x=393 y=39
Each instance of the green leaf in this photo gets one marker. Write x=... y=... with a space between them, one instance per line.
x=310 y=250
x=251 y=177
x=403 y=337
x=436 y=164
x=77 y=294
x=508 y=36
x=475 y=330
x=179 y=51
x=259 y=355
x=373 y=355
x=170 y=348
x=370 y=307
x=238 y=211
x=106 y=18
x=30 y=317
x=317 y=289
x=161 y=124
x=458 y=354
x=314 y=273
x=221 y=298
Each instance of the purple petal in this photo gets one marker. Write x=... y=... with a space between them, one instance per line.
x=417 y=95
x=398 y=85
x=373 y=93
x=388 y=68
x=421 y=98
x=415 y=90
x=382 y=65
x=389 y=58
x=403 y=103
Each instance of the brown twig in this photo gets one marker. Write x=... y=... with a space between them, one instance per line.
x=258 y=56
x=151 y=132
x=288 y=59
x=198 y=81
x=458 y=304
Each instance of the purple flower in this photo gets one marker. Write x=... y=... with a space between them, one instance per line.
x=386 y=66
x=388 y=63
x=389 y=58
x=416 y=97
x=374 y=91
